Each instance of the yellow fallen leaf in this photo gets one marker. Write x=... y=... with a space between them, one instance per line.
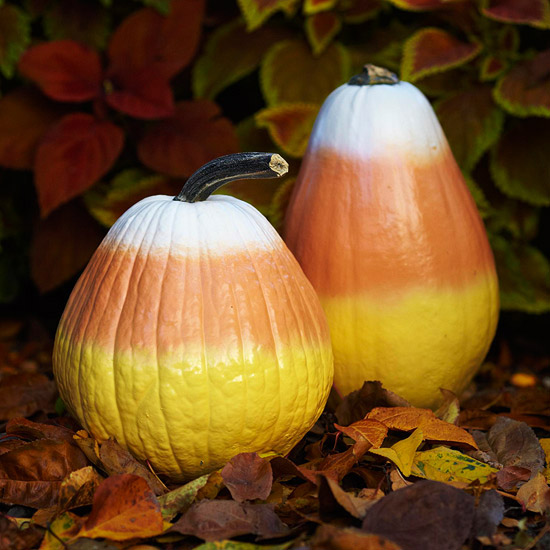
x=402 y=454
x=448 y=465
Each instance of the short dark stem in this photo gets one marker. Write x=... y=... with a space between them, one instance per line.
x=229 y=168
x=371 y=75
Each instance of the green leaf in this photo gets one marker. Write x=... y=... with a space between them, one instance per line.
x=444 y=464
x=432 y=50
x=520 y=163
x=480 y=199
x=472 y=123
x=290 y=73
x=106 y=203
x=524 y=276
x=81 y=21
x=15 y=36
x=229 y=55
x=525 y=89
x=256 y=12
x=289 y=125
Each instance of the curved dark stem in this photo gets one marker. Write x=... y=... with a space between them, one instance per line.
x=228 y=168
x=371 y=75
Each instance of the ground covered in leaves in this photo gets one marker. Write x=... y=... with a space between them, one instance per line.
x=374 y=473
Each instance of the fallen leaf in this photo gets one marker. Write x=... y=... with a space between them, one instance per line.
x=214 y=484
x=248 y=477
x=402 y=453
x=219 y=519
x=337 y=466
x=427 y=515
x=476 y=419
x=357 y=404
x=449 y=410
x=180 y=499
x=116 y=460
x=410 y=418
x=27 y=429
x=489 y=513
x=356 y=505
x=61 y=530
x=78 y=488
x=372 y=431
x=14 y=538
x=535 y=495
x=25 y=394
x=448 y=465
x=124 y=508
x=31 y=474
x=510 y=478
x=88 y=445
x=329 y=537
x=236 y=545
x=512 y=443
x=545 y=444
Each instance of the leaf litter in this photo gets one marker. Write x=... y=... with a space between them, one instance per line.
x=373 y=473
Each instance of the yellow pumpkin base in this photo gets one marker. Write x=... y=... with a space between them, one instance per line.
x=187 y=419
x=415 y=342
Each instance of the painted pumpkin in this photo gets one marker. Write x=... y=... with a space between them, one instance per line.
x=193 y=334
x=385 y=228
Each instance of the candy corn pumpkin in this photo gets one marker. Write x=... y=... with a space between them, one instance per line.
x=193 y=334
x=384 y=226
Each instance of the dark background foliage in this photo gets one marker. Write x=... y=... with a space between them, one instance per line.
x=103 y=103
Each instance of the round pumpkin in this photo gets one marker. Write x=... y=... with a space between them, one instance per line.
x=384 y=226
x=193 y=334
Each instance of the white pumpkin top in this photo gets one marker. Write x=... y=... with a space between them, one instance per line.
x=399 y=118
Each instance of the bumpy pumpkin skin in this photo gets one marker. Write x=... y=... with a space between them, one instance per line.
x=385 y=228
x=193 y=335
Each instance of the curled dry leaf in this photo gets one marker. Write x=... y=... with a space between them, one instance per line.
x=179 y=500
x=78 y=488
x=402 y=453
x=124 y=508
x=427 y=515
x=410 y=418
x=535 y=495
x=31 y=474
x=220 y=519
x=116 y=460
x=27 y=429
x=248 y=477
x=371 y=431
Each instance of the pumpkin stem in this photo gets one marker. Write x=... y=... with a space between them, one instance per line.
x=228 y=168
x=371 y=75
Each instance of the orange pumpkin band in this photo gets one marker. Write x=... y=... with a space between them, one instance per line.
x=406 y=213
x=143 y=315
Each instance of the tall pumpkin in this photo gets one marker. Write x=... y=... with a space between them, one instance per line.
x=193 y=334
x=385 y=228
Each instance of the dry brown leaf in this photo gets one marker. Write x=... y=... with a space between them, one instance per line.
x=409 y=418
x=78 y=488
x=248 y=477
x=24 y=394
x=535 y=495
x=372 y=431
